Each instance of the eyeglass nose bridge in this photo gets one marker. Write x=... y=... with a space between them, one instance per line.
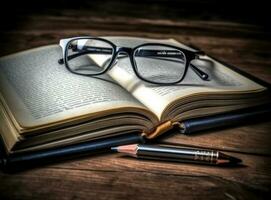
x=121 y=52
x=126 y=50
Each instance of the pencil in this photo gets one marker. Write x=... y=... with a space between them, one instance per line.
x=165 y=153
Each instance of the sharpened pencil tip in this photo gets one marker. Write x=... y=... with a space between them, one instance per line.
x=128 y=149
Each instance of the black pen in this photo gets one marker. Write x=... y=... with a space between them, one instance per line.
x=166 y=153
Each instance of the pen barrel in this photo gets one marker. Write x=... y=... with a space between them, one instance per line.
x=178 y=154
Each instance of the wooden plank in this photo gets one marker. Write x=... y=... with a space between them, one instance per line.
x=253 y=167
x=252 y=138
x=116 y=177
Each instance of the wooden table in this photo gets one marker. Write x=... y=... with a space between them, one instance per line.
x=111 y=176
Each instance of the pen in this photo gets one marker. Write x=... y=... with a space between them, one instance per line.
x=156 y=152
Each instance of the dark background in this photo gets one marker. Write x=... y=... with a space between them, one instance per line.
x=21 y=16
x=252 y=12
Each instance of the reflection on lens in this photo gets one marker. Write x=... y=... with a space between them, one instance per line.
x=160 y=64
x=89 y=56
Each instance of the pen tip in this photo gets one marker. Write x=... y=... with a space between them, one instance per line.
x=235 y=160
x=228 y=160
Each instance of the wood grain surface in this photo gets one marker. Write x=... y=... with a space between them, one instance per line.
x=112 y=176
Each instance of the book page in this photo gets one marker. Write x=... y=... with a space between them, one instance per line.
x=38 y=91
x=157 y=98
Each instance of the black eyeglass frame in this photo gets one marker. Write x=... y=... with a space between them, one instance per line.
x=189 y=56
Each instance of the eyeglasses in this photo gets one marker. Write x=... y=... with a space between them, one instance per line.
x=152 y=62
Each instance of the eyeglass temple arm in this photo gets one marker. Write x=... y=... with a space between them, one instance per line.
x=88 y=50
x=199 y=72
x=204 y=76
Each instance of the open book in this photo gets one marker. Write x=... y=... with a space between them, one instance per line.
x=43 y=105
